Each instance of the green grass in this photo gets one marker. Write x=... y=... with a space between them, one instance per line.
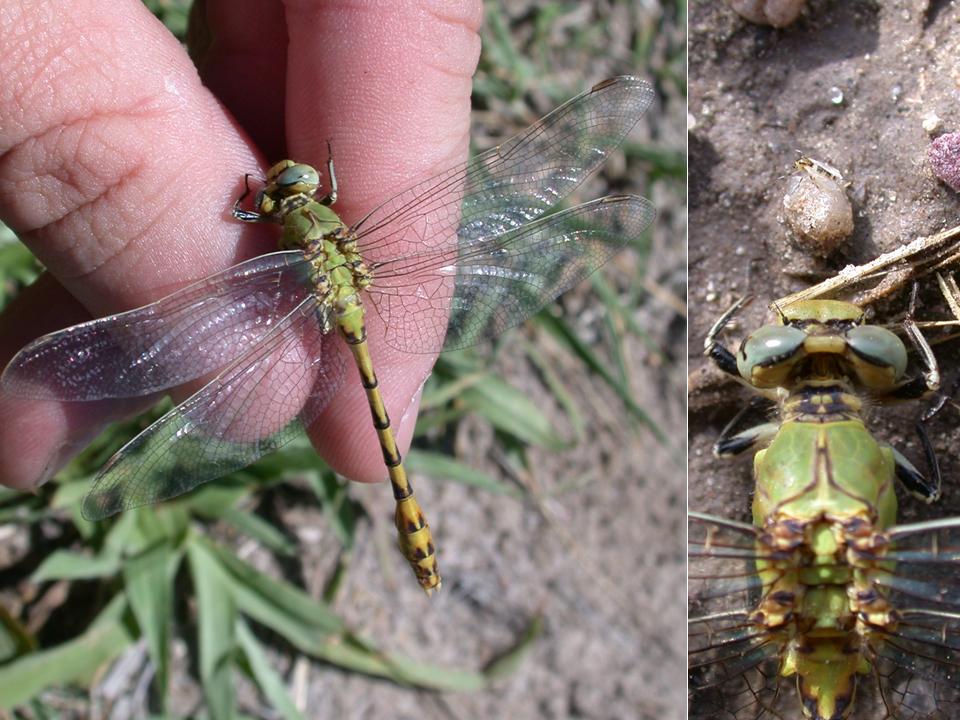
x=155 y=572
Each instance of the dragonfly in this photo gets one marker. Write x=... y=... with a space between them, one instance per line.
x=824 y=605
x=448 y=263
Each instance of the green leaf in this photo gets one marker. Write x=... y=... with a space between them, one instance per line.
x=437 y=465
x=271 y=684
x=76 y=661
x=15 y=639
x=216 y=620
x=149 y=580
x=354 y=654
x=565 y=334
x=275 y=603
x=260 y=530
x=557 y=387
x=68 y=565
x=213 y=499
x=340 y=510
x=507 y=663
x=163 y=523
x=509 y=410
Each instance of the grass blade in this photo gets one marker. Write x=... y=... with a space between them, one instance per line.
x=270 y=684
x=436 y=465
x=216 y=620
x=148 y=578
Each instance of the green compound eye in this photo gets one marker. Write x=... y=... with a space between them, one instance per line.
x=879 y=347
x=298 y=178
x=769 y=346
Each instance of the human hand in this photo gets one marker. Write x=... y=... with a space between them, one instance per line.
x=120 y=169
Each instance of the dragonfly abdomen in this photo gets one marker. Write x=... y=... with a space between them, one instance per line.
x=414 y=537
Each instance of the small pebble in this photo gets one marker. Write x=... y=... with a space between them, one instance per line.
x=944 y=155
x=931 y=122
x=778 y=13
x=816 y=208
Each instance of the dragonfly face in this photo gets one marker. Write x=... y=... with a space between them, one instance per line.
x=285 y=181
x=825 y=339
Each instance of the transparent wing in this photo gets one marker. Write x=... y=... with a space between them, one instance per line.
x=919 y=660
x=456 y=297
x=732 y=669
x=184 y=336
x=915 y=666
x=252 y=408
x=512 y=184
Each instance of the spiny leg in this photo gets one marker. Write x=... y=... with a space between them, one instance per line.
x=731 y=443
x=920 y=386
x=913 y=479
x=929 y=381
x=331 y=196
x=715 y=350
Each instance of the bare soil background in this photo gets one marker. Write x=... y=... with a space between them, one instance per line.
x=757 y=97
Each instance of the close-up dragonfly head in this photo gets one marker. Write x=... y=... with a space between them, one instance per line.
x=286 y=179
x=822 y=338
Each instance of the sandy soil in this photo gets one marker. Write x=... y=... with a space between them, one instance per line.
x=850 y=84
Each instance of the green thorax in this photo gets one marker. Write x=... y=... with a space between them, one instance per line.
x=338 y=272
x=835 y=470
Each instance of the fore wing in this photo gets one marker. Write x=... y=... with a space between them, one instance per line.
x=252 y=408
x=511 y=184
x=456 y=297
x=184 y=336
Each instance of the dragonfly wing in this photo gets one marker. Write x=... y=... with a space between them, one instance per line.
x=513 y=183
x=184 y=336
x=732 y=670
x=449 y=299
x=252 y=408
x=918 y=660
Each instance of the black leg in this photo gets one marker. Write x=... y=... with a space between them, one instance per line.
x=714 y=349
x=731 y=443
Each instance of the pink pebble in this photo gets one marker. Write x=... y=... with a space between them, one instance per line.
x=944 y=154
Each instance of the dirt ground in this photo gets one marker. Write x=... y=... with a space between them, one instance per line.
x=849 y=84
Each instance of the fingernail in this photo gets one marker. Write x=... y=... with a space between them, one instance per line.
x=414 y=405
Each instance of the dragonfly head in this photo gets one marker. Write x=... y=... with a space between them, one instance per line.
x=286 y=179
x=822 y=336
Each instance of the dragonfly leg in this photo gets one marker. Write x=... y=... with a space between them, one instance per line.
x=913 y=479
x=714 y=349
x=929 y=381
x=731 y=443
x=238 y=212
x=331 y=196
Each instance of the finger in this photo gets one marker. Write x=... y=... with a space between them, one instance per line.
x=245 y=65
x=118 y=166
x=388 y=85
x=40 y=437
x=118 y=171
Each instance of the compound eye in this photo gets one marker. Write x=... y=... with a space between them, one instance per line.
x=878 y=347
x=298 y=178
x=767 y=348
